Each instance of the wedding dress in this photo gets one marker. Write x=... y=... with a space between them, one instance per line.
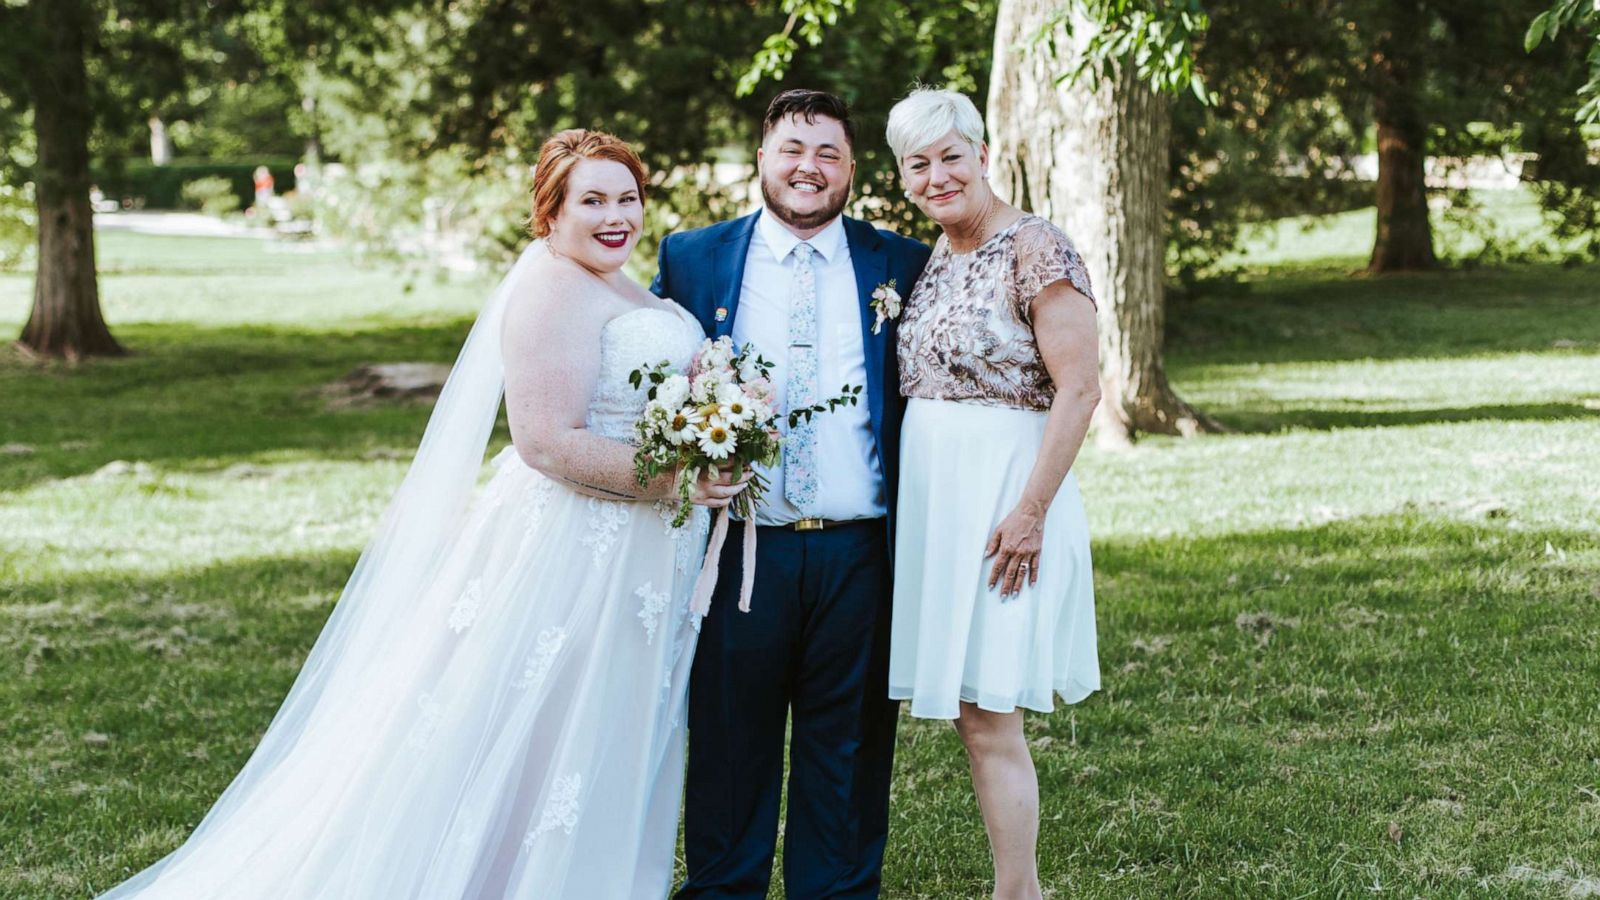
x=495 y=707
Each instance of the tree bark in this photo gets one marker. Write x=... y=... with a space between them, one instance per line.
x=66 y=320
x=1405 y=235
x=1092 y=158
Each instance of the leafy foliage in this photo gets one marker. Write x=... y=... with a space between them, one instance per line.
x=212 y=194
x=443 y=108
x=1156 y=38
x=16 y=225
x=1574 y=14
x=777 y=51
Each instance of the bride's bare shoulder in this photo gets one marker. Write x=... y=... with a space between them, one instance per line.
x=551 y=276
x=555 y=289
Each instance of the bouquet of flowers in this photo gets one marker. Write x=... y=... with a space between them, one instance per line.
x=721 y=414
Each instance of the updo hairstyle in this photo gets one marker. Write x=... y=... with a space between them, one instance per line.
x=557 y=158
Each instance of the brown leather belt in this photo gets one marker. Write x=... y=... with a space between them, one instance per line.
x=820 y=524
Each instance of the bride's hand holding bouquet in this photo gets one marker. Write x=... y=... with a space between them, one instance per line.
x=711 y=426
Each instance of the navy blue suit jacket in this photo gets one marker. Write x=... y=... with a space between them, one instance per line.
x=703 y=269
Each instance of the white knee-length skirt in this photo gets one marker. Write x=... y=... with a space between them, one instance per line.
x=962 y=470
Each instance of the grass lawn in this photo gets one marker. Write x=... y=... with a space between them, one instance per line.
x=1350 y=648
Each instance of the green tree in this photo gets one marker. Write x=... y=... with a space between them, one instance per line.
x=1301 y=86
x=83 y=69
x=1425 y=69
x=45 y=48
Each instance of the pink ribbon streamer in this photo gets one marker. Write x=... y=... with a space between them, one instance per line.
x=700 y=603
x=749 y=579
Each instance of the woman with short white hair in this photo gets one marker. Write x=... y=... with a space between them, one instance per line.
x=994 y=596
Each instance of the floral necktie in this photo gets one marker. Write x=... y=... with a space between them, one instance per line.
x=800 y=447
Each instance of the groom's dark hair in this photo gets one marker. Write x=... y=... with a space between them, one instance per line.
x=808 y=105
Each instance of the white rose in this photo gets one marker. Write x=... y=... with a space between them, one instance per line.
x=673 y=393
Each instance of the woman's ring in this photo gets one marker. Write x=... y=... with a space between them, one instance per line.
x=1023 y=567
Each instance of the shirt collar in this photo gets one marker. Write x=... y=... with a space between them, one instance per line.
x=829 y=242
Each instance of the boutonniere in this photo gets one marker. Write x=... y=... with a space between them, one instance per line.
x=886 y=303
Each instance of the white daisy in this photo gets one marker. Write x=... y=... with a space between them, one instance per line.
x=679 y=429
x=717 y=441
x=733 y=406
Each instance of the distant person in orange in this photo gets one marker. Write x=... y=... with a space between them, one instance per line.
x=264 y=185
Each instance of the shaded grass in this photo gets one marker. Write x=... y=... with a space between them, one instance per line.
x=1319 y=315
x=132 y=701
x=1376 y=604
x=210 y=396
x=1343 y=242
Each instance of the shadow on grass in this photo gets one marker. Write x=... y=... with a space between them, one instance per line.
x=1418 y=561
x=204 y=396
x=1255 y=420
x=1319 y=317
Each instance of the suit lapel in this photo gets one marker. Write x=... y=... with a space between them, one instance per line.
x=728 y=272
x=871 y=264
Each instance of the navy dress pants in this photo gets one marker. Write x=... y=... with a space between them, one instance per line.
x=814 y=647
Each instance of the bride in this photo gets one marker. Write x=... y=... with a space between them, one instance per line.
x=495 y=707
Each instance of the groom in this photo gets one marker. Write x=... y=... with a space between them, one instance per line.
x=796 y=279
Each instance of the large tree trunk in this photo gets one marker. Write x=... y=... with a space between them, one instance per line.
x=66 y=319
x=1405 y=236
x=1093 y=160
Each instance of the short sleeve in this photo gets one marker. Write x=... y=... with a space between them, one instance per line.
x=1044 y=256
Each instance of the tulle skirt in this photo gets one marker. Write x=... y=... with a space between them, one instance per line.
x=523 y=737
x=962 y=469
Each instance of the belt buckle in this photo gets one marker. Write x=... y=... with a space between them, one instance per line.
x=809 y=525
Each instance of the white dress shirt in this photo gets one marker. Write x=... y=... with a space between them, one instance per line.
x=849 y=479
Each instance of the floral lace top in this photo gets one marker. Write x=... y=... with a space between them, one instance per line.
x=967 y=330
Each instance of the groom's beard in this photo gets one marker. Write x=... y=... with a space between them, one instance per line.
x=834 y=199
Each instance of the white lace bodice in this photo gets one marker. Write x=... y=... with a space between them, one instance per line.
x=642 y=337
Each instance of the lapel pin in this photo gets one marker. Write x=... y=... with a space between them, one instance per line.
x=722 y=314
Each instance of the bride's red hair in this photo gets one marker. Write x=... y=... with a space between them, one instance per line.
x=556 y=160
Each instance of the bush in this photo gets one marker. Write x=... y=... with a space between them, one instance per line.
x=212 y=195
x=143 y=184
